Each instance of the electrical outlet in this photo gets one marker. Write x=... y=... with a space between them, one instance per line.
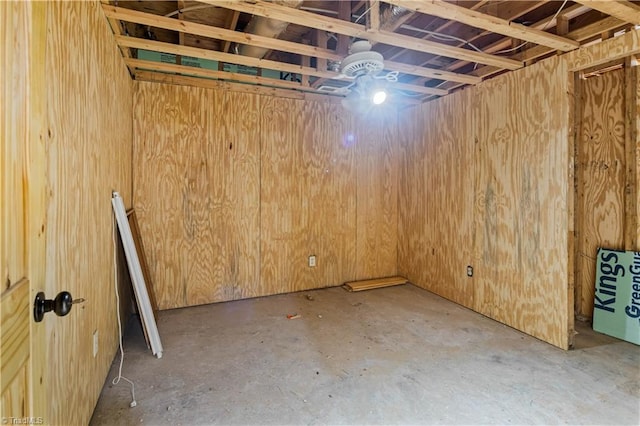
x=469 y=270
x=312 y=261
x=95 y=343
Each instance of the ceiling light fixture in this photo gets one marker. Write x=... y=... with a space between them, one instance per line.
x=379 y=96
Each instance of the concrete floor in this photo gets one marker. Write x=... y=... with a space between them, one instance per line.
x=399 y=355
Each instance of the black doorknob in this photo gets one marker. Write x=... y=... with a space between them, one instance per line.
x=61 y=305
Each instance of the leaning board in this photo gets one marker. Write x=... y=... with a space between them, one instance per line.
x=616 y=309
x=374 y=283
x=139 y=286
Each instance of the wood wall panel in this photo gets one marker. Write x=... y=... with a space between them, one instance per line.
x=484 y=179
x=436 y=200
x=601 y=177
x=513 y=204
x=633 y=114
x=521 y=186
x=197 y=179
x=89 y=139
x=377 y=151
x=632 y=156
x=283 y=216
x=234 y=192
x=234 y=124
x=308 y=195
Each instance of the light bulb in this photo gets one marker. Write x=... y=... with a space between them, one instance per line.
x=379 y=97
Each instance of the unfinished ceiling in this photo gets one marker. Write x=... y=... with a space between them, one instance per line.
x=293 y=47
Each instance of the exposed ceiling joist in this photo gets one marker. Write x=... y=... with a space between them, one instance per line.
x=373 y=17
x=117 y=30
x=431 y=73
x=420 y=89
x=264 y=81
x=232 y=21
x=312 y=20
x=440 y=49
x=302 y=49
x=215 y=32
x=538 y=51
x=182 y=80
x=446 y=43
x=621 y=9
x=581 y=34
x=196 y=52
x=221 y=75
x=487 y=22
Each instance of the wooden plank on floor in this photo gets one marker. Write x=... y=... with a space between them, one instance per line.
x=374 y=283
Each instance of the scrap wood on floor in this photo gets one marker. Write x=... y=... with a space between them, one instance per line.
x=374 y=283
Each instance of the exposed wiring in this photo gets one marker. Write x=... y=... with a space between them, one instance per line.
x=188 y=9
x=363 y=14
x=117 y=379
x=546 y=26
x=440 y=36
x=447 y=37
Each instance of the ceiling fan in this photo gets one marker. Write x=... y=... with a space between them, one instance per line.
x=364 y=66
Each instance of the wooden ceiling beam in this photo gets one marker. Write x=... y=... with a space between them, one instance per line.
x=440 y=49
x=142 y=65
x=431 y=73
x=215 y=32
x=444 y=26
x=212 y=74
x=182 y=80
x=500 y=45
x=312 y=20
x=419 y=89
x=581 y=34
x=196 y=52
x=373 y=17
x=117 y=30
x=302 y=49
x=487 y=22
x=232 y=21
x=344 y=14
x=621 y=9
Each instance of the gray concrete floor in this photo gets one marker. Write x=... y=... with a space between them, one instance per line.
x=399 y=355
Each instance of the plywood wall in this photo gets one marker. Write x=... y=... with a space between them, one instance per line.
x=308 y=195
x=436 y=197
x=486 y=177
x=601 y=172
x=521 y=185
x=234 y=191
x=197 y=192
x=633 y=152
x=377 y=163
x=89 y=140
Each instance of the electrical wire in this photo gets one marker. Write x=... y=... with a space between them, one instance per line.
x=363 y=13
x=188 y=9
x=546 y=26
x=440 y=36
x=117 y=379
